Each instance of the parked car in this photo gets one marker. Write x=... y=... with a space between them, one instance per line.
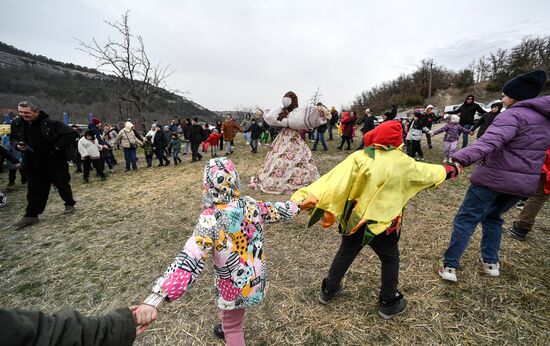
x=81 y=127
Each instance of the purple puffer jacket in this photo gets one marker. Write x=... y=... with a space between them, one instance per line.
x=452 y=132
x=511 y=152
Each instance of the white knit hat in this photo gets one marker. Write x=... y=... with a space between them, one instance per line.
x=429 y=106
x=455 y=119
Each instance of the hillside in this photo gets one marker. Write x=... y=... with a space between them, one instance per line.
x=433 y=83
x=63 y=87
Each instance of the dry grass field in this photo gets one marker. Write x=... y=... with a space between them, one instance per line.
x=127 y=230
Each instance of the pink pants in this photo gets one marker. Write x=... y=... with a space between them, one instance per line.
x=232 y=326
x=449 y=148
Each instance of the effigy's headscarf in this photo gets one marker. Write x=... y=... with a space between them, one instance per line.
x=290 y=102
x=221 y=182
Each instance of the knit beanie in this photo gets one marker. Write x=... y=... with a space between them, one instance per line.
x=96 y=121
x=455 y=119
x=525 y=86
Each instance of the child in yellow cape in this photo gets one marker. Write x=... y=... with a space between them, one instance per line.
x=366 y=194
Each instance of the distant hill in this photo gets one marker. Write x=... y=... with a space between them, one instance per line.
x=64 y=87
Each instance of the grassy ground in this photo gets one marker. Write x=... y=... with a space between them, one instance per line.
x=127 y=230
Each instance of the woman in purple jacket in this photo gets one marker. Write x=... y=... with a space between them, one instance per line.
x=510 y=156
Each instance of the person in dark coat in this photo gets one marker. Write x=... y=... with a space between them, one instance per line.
x=393 y=112
x=29 y=328
x=196 y=137
x=174 y=124
x=486 y=119
x=159 y=146
x=186 y=133
x=332 y=122
x=46 y=145
x=255 y=133
x=368 y=125
x=168 y=138
x=428 y=118
x=467 y=111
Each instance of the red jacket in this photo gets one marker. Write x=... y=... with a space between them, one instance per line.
x=546 y=169
x=213 y=138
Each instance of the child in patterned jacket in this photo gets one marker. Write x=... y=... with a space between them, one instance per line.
x=230 y=228
x=452 y=132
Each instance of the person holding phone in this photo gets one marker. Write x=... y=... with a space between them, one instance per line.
x=46 y=146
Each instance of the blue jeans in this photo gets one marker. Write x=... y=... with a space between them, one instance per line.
x=465 y=136
x=130 y=157
x=176 y=155
x=330 y=127
x=320 y=137
x=480 y=205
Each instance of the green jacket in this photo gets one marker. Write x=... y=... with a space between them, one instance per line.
x=148 y=148
x=116 y=328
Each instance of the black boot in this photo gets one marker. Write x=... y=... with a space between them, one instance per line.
x=218 y=331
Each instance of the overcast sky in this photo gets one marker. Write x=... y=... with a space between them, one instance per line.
x=229 y=54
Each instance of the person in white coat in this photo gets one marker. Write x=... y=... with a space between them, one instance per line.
x=89 y=150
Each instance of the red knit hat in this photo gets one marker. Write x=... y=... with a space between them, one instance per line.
x=96 y=121
x=387 y=133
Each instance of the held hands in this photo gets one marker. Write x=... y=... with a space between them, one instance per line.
x=459 y=168
x=140 y=328
x=143 y=315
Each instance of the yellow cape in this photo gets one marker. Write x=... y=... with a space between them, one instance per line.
x=369 y=190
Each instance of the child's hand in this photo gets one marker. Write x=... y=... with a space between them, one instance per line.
x=140 y=328
x=144 y=315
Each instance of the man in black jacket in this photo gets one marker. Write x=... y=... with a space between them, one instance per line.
x=332 y=122
x=255 y=134
x=47 y=146
x=196 y=137
x=29 y=328
x=368 y=125
x=159 y=146
x=467 y=111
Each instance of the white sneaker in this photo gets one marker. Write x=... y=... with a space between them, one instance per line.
x=445 y=160
x=447 y=273
x=491 y=269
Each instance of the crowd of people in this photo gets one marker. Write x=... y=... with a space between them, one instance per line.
x=365 y=193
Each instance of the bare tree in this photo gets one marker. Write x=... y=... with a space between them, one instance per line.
x=316 y=97
x=139 y=80
x=240 y=112
x=497 y=63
